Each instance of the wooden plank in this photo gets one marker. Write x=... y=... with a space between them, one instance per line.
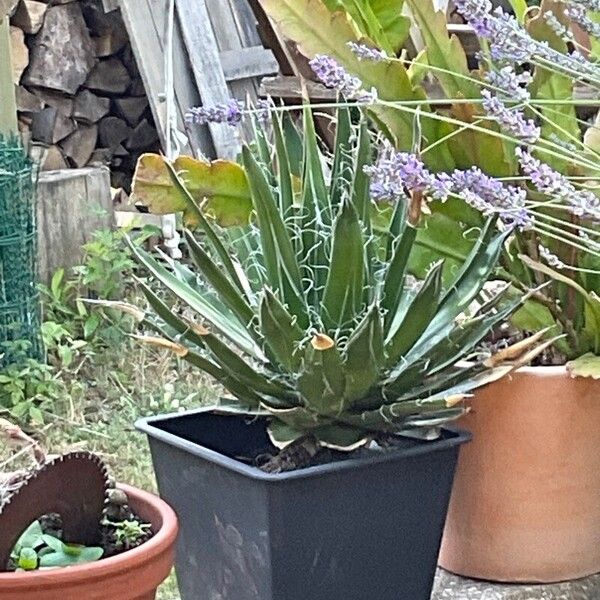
x=255 y=61
x=186 y=92
x=68 y=215
x=289 y=87
x=206 y=66
x=8 y=108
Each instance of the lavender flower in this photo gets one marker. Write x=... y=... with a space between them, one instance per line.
x=510 y=83
x=559 y=29
x=230 y=112
x=510 y=42
x=546 y=180
x=364 y=52
x=551 y=259
x=578 y=13
x=334 y=76
x=394 y=173
x=512 y=121
x=263 y=110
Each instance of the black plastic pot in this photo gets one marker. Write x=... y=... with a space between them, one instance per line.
x=356 y=529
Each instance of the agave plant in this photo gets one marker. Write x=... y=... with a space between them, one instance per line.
x=308 y=314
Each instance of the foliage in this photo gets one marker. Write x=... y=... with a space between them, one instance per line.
x=37 y=550
x=561 y=250
x=127 y=534
x=27 y=386
x=318 y=325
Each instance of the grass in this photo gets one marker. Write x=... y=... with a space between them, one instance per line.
x=105 y=394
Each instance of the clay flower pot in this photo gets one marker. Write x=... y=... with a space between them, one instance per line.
x=526 y=500
x=133 y=575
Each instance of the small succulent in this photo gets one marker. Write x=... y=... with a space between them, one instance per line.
x=309 y=315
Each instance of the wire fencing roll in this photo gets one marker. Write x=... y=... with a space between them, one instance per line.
x=19 y=298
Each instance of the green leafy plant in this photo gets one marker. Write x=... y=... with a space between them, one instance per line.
x=37 y=550
x=308 y=315
x=559 y=249
x=27 y=386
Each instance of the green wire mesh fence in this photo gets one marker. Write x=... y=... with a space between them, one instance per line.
x=19 y=302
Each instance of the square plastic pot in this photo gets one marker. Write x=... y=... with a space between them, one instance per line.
x=355 y=529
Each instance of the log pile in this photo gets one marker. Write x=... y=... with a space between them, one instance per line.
x=80 y=97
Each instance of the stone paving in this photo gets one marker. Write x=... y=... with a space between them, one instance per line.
x=451 y=587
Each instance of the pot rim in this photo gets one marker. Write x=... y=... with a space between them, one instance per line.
x=149 y=425
x=142 y=555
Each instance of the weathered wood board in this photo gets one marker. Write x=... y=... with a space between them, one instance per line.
x=71 y=205
x=217 y=54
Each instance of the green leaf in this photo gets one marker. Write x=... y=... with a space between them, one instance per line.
x=228 y=326
x=31 y=537
x=364 y=356
x=444 y=51
x=520 y=8
x=280 y=330
x=316 y=31
x=283 y=435
x=227 y=292
x=322 y=380
x=341 y=437
x=417 y=318
x=53 y=542
x=587 y=365
x=343 y=295
x=393 y=288
x=277 y=248
x=220 y=187
x=342 y=171
x=28 y=559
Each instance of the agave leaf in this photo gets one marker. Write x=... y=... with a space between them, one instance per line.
x=322 y=379
x=393 y=289
x=476 y=271
x=227 y=292
x=416 y=319
x=342 y=171
x=284 y=174
x=343 y=295
x=587 y=365
x=230 y=327
x=282 y=434
x=277 y=249
x=220 y=187
x=364 y=356
x=280 y=330
x=341 y=437
x=205 y=225
x=233 y=364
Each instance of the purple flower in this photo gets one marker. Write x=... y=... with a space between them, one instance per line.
x=396 y=172
x=364 y=52
x=230 y=112
x=578 y=13
x=334 y=76
x=510 y=83
x=511 y=120
x=546 y=180
x=510 y=42
x=263 y=110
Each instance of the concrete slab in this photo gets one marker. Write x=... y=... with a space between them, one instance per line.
x=451 y=587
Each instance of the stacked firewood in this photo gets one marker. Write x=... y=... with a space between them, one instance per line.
x=80 y=97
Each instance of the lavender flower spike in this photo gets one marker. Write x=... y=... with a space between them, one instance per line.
x=335 y=77
x=230 y=112
x=510 y=83
x=364 y=52
x=512 y=121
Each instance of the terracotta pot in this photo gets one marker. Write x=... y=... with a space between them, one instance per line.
x=526 y=500
x=133 y=575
